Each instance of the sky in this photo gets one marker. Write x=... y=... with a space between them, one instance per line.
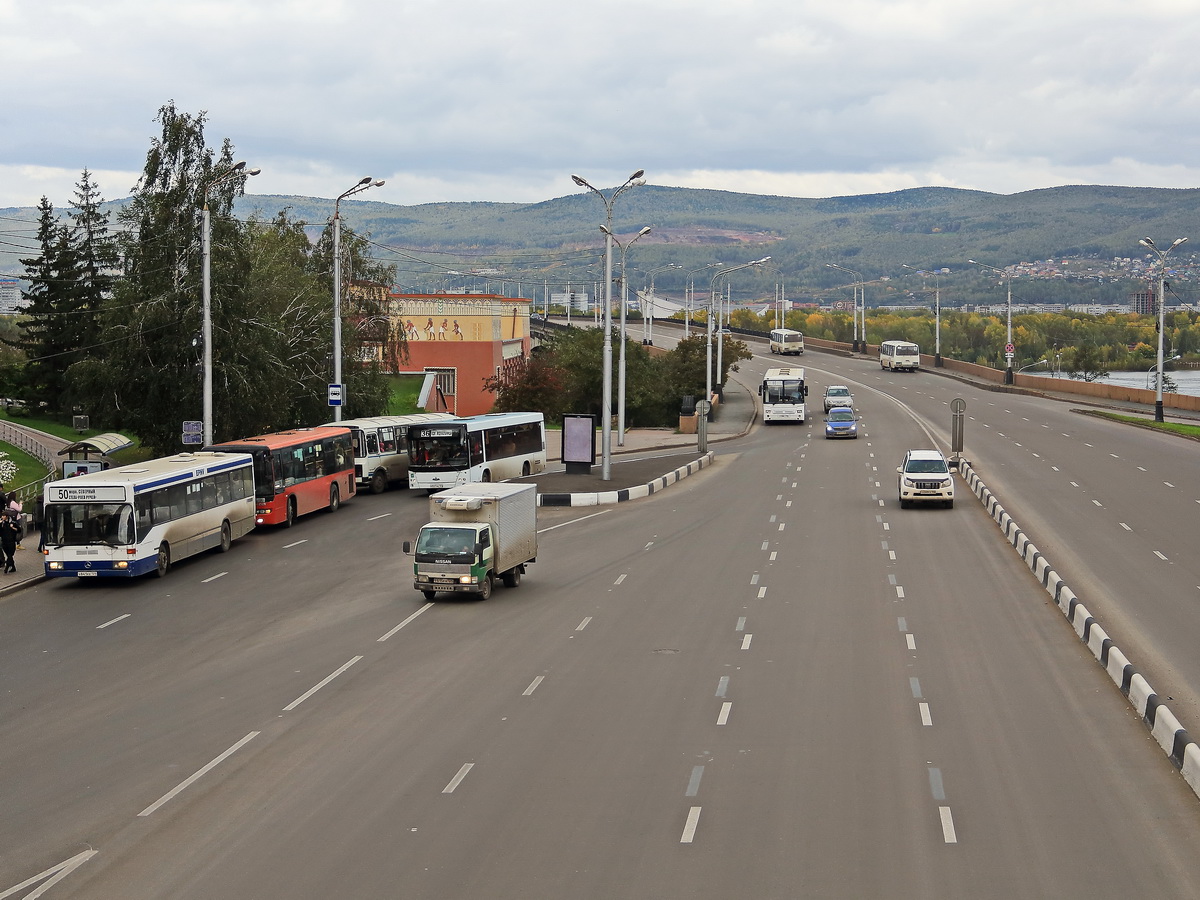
x=502 y=100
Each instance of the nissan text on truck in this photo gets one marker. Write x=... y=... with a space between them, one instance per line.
x=476 y=533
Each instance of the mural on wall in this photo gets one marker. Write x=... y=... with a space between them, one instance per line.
x=450 y=319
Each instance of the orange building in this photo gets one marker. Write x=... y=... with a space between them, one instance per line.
x=464 y=339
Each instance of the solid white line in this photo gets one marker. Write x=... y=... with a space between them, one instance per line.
x=533 y=685
x=947 y=825
x=926 y=719
x=457 y=779
x=573 y=521
x=724 y=715
x=584 y=624
x=59 y=871
x=199 y=774
x=374 y=518
x=402 y=624
x=689 y=828
x=316 y=687
x=746 y=641
x=295 y=544
x=105 y=625
x=213 y=578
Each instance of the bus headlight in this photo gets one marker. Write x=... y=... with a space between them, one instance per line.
x=54 y=564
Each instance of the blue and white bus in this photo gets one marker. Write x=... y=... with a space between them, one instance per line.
x=491 y=447
x=140 y=518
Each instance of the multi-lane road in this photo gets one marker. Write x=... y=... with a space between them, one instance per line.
x=768 y=681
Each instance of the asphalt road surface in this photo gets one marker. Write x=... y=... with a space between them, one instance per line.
x=768 y=681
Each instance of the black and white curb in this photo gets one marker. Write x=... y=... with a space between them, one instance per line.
x=603 y=498
x=1165 y=728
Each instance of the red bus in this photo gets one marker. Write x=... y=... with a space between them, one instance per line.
x=297 y=472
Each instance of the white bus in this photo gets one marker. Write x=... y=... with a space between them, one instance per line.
x=140 y=518
x=783 y=392
x=491 y=447
x=784 y=340
x=902 y=356
x=381 y=447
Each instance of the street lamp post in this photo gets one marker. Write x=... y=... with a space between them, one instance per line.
x=688 y=299
x=238 y=169
x=1009 y=351
x=1162 y=305
x=1155 y=366
x=363 y=184
x=856 y=285
x=712 y=306
x=624 y=307
x=606 y=391
x=648 y=312
x=937 y=313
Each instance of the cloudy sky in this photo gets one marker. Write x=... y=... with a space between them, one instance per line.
x=503 y=99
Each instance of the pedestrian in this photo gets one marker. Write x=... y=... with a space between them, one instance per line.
x=8 y=541
x=16 y=512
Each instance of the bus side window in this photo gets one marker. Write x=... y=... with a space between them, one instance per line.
x=387 y=440
x=373 y=444
x=145 y=512
x=475 y=443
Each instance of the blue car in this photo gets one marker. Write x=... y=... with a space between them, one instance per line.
x=841 y=422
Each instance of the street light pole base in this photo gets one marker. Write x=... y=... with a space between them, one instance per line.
x=1008 y=375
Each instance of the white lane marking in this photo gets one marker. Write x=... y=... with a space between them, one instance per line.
x=779 y=496
x=1141 y=468
x=886 y=526
x=316 y=687
x=649 y=544
x=1114 y=456
x=741 y=624
x=584 y=624
x=926 y=718
x=200 y=773
x=902 y=623
x=295 y=544
x=1159 y=555
x=789 y=503
x=533 y=685
x=891 y=554
x=911 y=640
x=213 y=578
x=775 y=553
x=899 y=592
x=793 y=484
x=382 y=516
x=762 y=592
x=111 y=622
x=947 y=825
x=1126 y=527
x=724 y=714
x=458 y=778
x=55 y=874
x=1168 y=484
x=1097 y=503
x=402 y=624
x=754 y=579
x=782 y=525
x=914 y=684
x=1054 y=468
x=774 y=519
x=689 y=827
x=722 y=685
x=619 y=580
x=693 y=787
x=573 y=521
x=746 y=641
x=764 y=545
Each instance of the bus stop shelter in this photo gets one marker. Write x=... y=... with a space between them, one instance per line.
x=91 y=454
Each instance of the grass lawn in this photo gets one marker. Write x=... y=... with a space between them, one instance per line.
x=406 y=390
x=1190 y=431
x=29 y=469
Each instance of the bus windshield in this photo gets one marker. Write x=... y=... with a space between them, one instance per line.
x=69 y=524
x=791 y=391
x=443 y=448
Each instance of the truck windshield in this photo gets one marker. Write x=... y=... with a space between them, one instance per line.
x=446 y=541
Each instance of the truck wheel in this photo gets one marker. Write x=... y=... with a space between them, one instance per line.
x=379 y=482
x=429 y=595
x=512 y=578
x=485 y=589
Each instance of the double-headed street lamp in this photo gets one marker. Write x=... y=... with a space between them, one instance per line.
x=624 y=308
x=1009 y=349
x=858 y=283
x=690 y=289
x=337 y=386
x=606 y=390
x=712 y=307
x=237 y=170
x=1162 y=305
x=937 y=313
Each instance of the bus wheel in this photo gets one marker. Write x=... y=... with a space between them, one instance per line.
x=163 y=564
x=487 y=475
x=226 y=537
x=335 y=499
x=379 y=482
x=525 y=469
x=291 y=513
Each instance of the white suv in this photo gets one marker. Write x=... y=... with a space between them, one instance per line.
x=925 y=477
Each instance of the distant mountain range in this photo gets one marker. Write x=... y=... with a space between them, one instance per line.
x=872 y=234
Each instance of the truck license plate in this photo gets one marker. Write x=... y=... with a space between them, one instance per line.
x=445 y=580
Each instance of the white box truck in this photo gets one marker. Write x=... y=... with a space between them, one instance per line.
x=476 y=533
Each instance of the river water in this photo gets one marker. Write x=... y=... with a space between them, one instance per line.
x=1186 y=380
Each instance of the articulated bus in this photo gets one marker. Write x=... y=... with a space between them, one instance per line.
x=783 y=392
x=903 y=356
x=784 y=340
x=381 y=447
x=298 y=472
x=491 y=447
x=140 y=518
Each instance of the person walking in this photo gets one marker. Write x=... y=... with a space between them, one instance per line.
x=8 y=541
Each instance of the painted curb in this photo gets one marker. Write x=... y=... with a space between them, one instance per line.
x=603 y=498
x=1165 y=728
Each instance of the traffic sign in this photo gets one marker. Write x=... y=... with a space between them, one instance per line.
x=335 y=395
x=191 y=438
x=191 y=427
x=1010 y=349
